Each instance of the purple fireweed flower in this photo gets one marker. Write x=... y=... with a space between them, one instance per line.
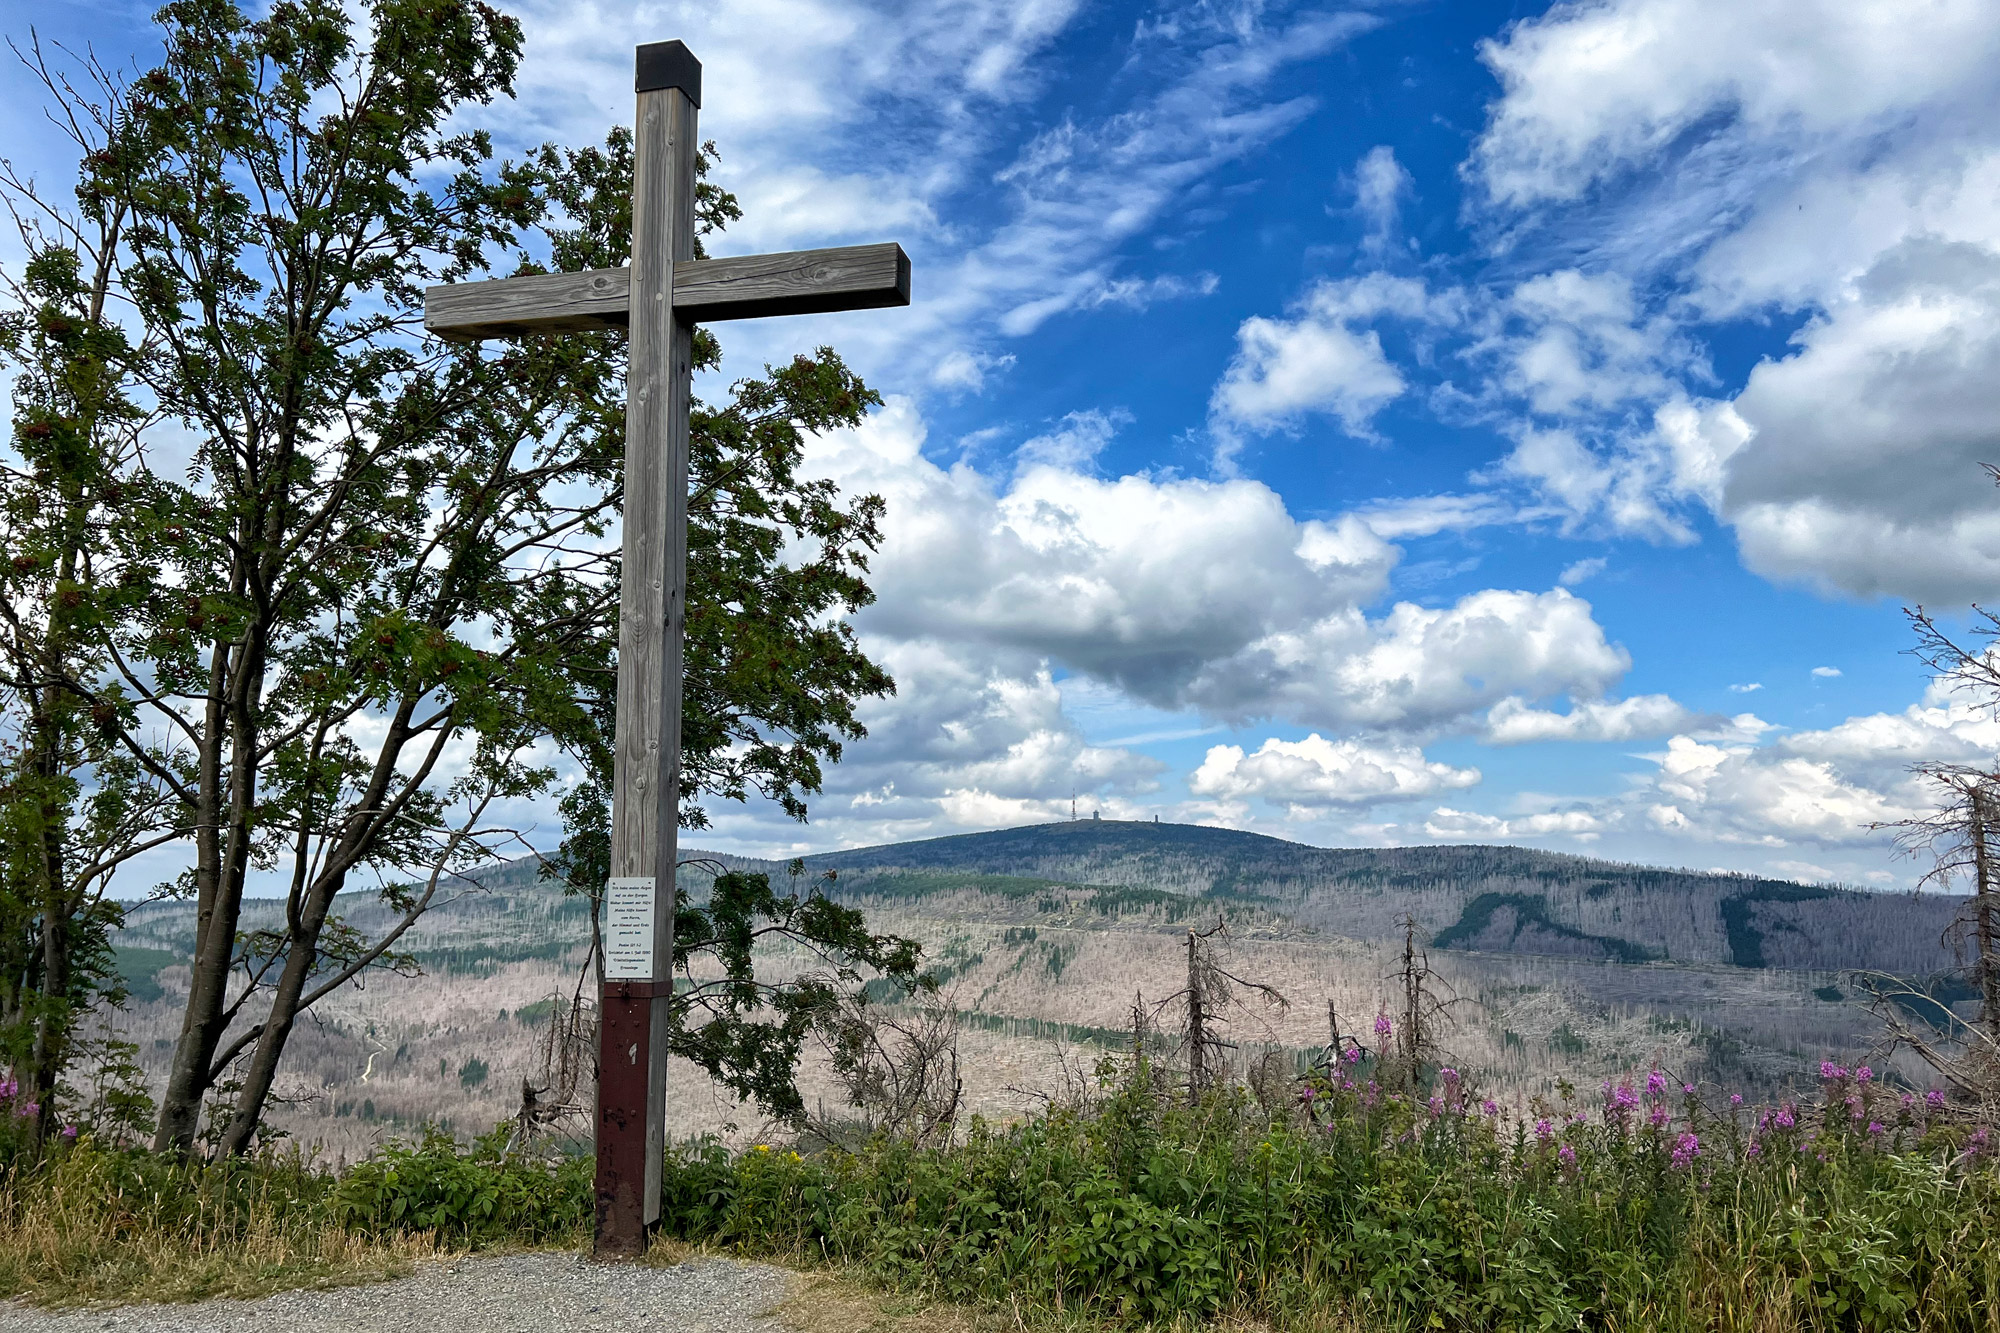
x=1875 y=1127
x=1382 y=1025
x=1755 y=1149
x=1659 y=1116
x=1688 y=1088
x=1656 y=1083
x=1831 y=1072
x=1736 y=1099
x=1307 y=1093
x=28 y=1110
x=1354 y=1055
x=1783 y=1118
x=69 y=1131
x=8 y=1089
x=1436 y=1105
x=1934 y=1098
x=1977 y=1143
x=1908 y=1100
x=1863 y=1074
x=1686 y=1149
x=1544 y=1131
x=1448 y=1075
x=1490 y=1107
x=1567 y=1156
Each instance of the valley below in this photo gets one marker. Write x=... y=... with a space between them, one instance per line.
x=1044 y=939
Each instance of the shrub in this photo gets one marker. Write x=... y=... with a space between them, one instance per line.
x=1645 y=1212
x=466 y=1197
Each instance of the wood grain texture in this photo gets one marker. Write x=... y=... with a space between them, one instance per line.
x=801 y=282
x=645 y=804
x=798 y=282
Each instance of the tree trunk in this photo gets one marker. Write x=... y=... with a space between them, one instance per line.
x=221 y=859
x=1197 y=1023
x=276 y=1027
x=1983 y=912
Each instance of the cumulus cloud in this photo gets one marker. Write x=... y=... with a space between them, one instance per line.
x=1837 y=160
x=1592 y=90
x=1733 y=787
x=1516 y=722
x=1317 y=772
x=1855 y=463
x=1416 y=667
x=1195 y=596
x=1449 y=825
x=1321 y=359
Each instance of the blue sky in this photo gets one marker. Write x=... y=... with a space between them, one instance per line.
x=1384 y=424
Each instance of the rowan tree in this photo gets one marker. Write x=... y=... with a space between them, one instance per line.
x=362 y=589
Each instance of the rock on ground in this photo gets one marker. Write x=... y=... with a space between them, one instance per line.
x=516 y=1293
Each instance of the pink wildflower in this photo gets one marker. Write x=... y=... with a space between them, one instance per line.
x=1736 y=1099
x=1875 y=1127
x=1544 y=1130
x=28 y=1110
x=1353 y=1056
x=1656 y=1083
x=1567 y=1156
x=1934 y=1098
x=1863 y=1074
x=1686 y=1149
x=69 y=1131
x=1382 y=1025
x=1489 y=1107
x=1659 y=1116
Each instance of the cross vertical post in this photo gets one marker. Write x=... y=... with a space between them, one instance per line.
x=634 y=1017
x=657 y=299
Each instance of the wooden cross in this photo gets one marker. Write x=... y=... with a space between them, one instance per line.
x=657 y=301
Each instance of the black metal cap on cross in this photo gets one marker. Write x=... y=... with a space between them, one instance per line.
x=657 y=300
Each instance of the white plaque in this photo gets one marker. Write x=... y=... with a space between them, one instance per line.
x=628 y=929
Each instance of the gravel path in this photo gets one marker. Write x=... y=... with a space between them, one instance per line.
x=516 y=1293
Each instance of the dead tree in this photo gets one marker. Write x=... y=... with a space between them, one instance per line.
x=1210 y=991
x=899 y=1070
x=1423 y=1009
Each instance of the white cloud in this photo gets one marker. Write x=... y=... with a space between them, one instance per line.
x=1858 y=466
x=1317 y=772
x=1515 y=722
x=1075 y=443
x=1418 y=668
x=1381 y=184
x=1582 y=571
x=1747 y=688
x=1826 y=672
x=1452 y=825
x=1203 y=597
x=1820 y=788
x=1321 y=360
x=1594 y=90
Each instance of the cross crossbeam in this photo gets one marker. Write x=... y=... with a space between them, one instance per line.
x=657 y=301
x=799 y=282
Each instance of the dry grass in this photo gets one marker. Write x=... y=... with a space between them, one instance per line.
x=88 y=1236
x=840 y=1301
x=846 y=1301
